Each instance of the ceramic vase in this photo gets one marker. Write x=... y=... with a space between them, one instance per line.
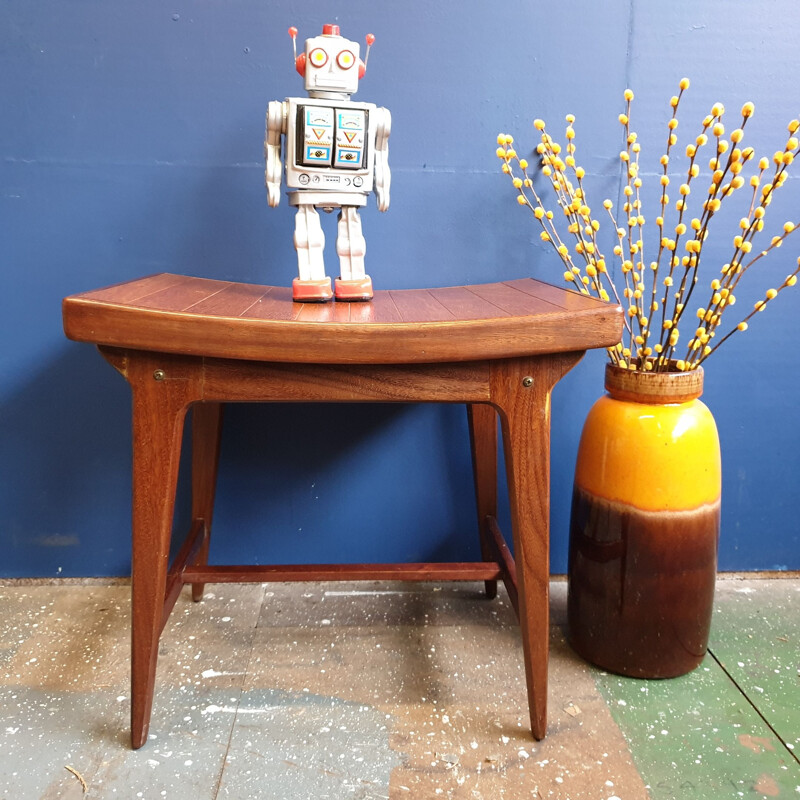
x=645 y=525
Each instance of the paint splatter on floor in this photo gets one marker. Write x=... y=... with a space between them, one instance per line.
x=357 y=691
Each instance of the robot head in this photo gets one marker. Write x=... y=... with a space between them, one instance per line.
x=330 y=64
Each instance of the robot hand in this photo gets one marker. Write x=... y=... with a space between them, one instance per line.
x=273 y=195
x=382 y=193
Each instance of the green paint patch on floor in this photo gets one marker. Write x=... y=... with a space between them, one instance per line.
x=696 y=736
x=722 y=732
x=755 y=636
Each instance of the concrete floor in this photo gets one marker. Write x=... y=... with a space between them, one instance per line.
x=384 y=691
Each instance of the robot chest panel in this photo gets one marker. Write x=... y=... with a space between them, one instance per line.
x=332 y=137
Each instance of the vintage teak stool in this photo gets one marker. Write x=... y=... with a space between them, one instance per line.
x=186 y=342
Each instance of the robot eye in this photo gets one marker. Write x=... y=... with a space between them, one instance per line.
x=345 y=59
x=318 y=57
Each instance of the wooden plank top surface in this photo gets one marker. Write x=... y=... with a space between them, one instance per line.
x=222 y=319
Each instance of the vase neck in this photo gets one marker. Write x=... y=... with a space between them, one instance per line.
x=653 y=387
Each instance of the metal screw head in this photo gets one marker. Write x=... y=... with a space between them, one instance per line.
x=159 y=375
x=527 y=381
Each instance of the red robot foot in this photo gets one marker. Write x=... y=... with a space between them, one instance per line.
x=311 y=291
x=354 y=290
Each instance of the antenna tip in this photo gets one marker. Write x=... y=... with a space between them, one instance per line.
x=370 y=39
x=293 y=32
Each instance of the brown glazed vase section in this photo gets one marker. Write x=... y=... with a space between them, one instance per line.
x=644 y=526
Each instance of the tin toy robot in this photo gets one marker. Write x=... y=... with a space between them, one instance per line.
x=336 y=153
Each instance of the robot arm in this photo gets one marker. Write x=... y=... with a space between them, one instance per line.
x=383 y=177
x=276 y=127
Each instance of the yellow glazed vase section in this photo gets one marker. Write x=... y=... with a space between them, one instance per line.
x=655 y=457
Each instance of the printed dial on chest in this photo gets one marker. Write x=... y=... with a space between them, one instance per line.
x=331 y=137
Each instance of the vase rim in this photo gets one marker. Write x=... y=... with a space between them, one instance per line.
x=653 y=387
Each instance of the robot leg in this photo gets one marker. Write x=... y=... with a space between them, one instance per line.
x=309 y=241
x=353 y=283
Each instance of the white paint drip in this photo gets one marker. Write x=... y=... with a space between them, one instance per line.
x=231 y=710
x=365 y=592
x=212 y=673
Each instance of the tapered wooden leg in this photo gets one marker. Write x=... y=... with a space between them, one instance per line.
x=159 y=408
x=483 y=441
x=521 y=391
x=206 y=435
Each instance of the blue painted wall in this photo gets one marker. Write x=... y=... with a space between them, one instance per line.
x=131 y=142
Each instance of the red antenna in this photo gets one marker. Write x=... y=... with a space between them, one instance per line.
x=293 y=34
x=370 y=41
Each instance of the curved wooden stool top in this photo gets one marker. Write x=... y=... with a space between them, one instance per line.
x=197 y=316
